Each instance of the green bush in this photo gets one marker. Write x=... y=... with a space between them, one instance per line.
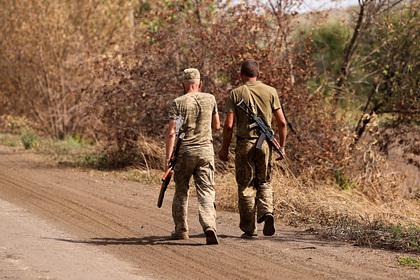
x=28 y=139
x=99 y=161
x=409 y=261
x=342 y=180
x=329 y=41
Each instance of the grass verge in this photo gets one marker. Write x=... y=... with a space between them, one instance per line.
x=335 y=213
x=375 y=234
x=409 y=261
x=10 y=140
x=330 y=209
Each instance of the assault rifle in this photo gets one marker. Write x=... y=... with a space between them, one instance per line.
x=166 y=178
x=265 y=131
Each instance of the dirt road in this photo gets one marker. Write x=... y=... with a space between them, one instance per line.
x=118 y=221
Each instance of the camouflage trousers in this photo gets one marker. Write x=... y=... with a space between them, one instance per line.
x=201 y=167
x=253 y=176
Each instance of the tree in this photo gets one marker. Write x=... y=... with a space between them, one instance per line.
x=392 y=67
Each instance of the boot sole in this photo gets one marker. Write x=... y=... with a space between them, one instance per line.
x=269 y=229
x=211 y=238
x=180 y=236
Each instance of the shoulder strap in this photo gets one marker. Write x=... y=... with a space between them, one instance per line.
x=253 y=106
x=251 y=100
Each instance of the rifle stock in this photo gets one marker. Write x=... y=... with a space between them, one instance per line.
x=165 y=182
x=166 y=178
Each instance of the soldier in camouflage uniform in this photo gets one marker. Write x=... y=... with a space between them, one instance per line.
x=199 y=113
x=253 y=165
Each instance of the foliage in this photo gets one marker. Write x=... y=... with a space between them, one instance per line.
x=393 y=66
x=409 y=261
x=342 y=180
x=46 y=59
x=328 y=42
x=97 y=161
x=138 y=84
x=107 y=70
x=376 y=234
x=10 y=140
x=13 y=123
x=28 y=138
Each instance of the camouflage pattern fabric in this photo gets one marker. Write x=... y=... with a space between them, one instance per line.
x=201 y=167
x=191 y=74
x=253 y=176
x=256 y=94
x=197 y=110
x=195 y=159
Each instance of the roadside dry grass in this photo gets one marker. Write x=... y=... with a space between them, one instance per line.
x=376 y=217
x=333 y=213
x=11 y=140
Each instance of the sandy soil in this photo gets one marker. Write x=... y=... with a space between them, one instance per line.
x=62 y=223
x=29 y=250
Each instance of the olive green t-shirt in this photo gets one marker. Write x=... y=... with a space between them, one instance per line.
x=196 y=110
x=263 y=98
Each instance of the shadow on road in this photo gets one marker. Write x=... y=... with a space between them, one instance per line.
x=299 y=238
x=148 y=240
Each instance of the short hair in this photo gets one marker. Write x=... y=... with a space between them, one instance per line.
x=191 y=82
x=250 y=68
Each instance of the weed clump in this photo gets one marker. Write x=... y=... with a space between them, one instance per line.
x=28 y=139
x=97 y=161
x=342 y=180
x=375 y=234
x=409 y=261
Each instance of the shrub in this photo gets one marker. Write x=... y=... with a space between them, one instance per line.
x=28 y=138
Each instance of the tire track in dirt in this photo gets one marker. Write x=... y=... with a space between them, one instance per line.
x=75 y=212
x=122 y=218
x=64 y=207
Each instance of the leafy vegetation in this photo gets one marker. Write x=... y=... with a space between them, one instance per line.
x=88 y=82
x=409 y=261
x=342 y=180
x=10 y=140
x=28 y=139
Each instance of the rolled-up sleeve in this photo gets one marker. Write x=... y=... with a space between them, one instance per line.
x=230 y=104
x=275 y=104
x=172 y=111
x=215 y=110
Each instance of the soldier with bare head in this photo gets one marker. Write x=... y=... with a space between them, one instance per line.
x=198 y=112
x=253 y=164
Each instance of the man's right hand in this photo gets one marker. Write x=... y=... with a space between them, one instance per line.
x=167 y=165
x=224 y=155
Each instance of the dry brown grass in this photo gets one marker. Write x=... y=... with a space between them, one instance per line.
x=370 y=208
x=374 y=214
x=323 y=203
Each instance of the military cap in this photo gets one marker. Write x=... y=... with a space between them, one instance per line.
x=191 y=74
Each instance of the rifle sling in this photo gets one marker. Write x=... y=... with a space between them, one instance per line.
x=253 y=106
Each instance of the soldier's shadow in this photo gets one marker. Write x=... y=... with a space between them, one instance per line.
x=147 y=240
